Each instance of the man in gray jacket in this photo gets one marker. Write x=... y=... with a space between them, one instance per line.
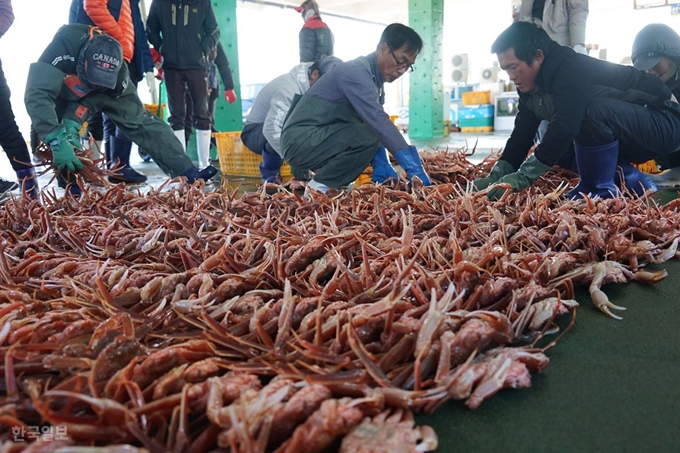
x=262 y=129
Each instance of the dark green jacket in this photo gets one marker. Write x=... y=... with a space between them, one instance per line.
x=53 y=90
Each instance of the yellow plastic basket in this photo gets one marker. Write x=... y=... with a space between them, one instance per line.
x=237 y=160
x=649 y=167
x=155 y=109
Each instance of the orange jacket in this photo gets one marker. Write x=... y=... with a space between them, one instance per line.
x=123 y=30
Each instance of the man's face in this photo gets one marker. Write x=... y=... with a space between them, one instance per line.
x=662 y=67
x=520 y=73
x=393 y=63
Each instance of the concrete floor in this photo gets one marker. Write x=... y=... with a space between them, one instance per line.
x=485 y=143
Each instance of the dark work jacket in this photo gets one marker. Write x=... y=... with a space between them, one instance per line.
x=674 y=83
x=316 y=40
x=565 y=84
x=222 y=63
x=183 y=32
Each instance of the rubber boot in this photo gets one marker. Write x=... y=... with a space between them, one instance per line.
x=120 y=159
x=203 y=147
x=634 y=180
x=70 y=185
x=383 y=170
x=107 y=152
x=28 y=182
x=270 y=167
x=181 y=137
x=596 y=167
x=193 y=173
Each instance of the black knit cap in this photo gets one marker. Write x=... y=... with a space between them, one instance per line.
x=100 y=61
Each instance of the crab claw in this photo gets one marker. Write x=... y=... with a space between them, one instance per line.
x=603 y=304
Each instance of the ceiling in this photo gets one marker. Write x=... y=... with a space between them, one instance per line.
x=388 y=11
x=380 y=11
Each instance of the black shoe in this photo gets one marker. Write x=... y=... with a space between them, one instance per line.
x=127 y=175
x=193 y=173
x=6 y=186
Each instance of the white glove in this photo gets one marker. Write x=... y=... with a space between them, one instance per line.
x=580 y=48
x=151 y=81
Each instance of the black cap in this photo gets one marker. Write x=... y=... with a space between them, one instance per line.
x=100 y=61
x=647 y=60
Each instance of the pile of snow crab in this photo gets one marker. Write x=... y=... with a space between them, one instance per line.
x=187 y=321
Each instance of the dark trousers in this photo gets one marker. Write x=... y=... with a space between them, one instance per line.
x=177 y=82
x=253 y=138
x=643 y=132
x=95 y=126
x=109 y=128
x=189 y=118
x=11 y=139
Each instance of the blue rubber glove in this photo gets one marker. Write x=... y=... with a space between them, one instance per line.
x=409 y=160
x=72 y=129
x=530 y=170
x=499 y=170
x=382 y=168
x=63 y=155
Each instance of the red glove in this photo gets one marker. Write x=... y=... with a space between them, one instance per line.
x=157 y=63
x=229 y=96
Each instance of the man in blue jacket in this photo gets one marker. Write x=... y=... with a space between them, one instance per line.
x=613 y=114
x=339 y=127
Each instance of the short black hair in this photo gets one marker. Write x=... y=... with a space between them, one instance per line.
x=525 y=38
x=398 y=35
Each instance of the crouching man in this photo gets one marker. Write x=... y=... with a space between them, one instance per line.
x=339 y=127
x=613 y=115
x=80 y=72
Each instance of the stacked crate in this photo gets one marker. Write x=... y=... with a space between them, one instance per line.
x=476 y=113
x=237 y=160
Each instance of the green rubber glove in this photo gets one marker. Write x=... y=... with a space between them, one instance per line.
x=63 y=155
x=72 y=129
x=499 y=170
x=530 y=170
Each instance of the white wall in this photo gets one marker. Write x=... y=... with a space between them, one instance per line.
x=35 y=23
x=471 y=26
x=613 y=25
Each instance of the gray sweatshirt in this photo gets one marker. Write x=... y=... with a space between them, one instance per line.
x=273 y=102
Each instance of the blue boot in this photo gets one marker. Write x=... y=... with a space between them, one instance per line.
x=383 y=170
x=270 y=167
x=193 y=173
x=596 y=167
x=28 y=182
x=635 y=181
x=119 y=152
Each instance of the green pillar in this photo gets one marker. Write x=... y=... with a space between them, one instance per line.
x=426 y=100
x=228 y=117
